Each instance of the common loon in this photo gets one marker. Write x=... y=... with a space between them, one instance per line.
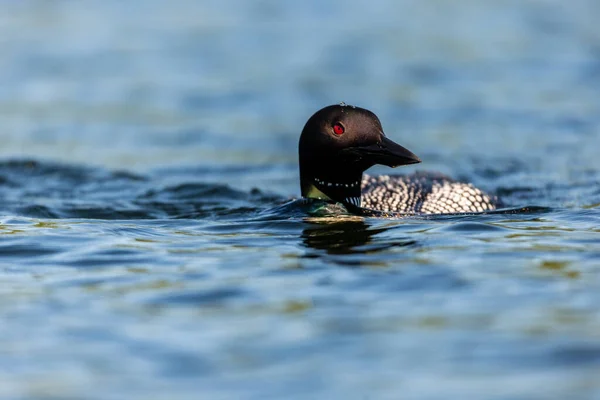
x=339 y=142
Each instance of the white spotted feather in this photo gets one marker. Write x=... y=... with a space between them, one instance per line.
x=424 y=193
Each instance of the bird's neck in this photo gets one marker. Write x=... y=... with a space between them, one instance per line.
x=342 y=189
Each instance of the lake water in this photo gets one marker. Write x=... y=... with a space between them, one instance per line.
x=150 y=246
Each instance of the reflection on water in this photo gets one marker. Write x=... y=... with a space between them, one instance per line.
x=346 y=235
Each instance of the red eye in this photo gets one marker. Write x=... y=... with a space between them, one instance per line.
x=338 y=129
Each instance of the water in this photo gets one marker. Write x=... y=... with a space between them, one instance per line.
x=151 y=247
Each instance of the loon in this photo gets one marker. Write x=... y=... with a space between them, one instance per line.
x=339 y=142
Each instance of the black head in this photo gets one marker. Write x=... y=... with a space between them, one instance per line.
x=338 y=143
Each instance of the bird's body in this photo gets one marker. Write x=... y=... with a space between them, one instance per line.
x=339 y=142
x=422 y=193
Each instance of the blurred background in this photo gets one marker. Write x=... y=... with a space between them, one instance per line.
x=140 y=84
x=146 y=147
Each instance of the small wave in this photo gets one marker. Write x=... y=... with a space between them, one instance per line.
x=51 y=190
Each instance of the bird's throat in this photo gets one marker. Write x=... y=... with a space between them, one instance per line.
x=326 y=189
x=312 y=192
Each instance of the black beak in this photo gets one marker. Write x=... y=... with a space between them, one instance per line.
x=386 y=152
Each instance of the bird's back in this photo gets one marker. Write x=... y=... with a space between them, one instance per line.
x=423 y=192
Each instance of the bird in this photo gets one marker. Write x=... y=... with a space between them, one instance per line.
x=340 y=142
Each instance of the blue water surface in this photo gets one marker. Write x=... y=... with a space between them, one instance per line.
x=151 y=245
